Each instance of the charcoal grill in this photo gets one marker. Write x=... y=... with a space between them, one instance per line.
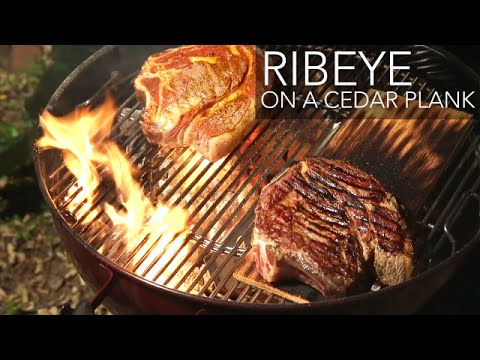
x=221 y=197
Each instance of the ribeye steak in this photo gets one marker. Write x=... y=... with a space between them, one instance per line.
x=325 y=223
x=200 y=95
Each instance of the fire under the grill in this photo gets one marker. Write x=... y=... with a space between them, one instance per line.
x=220 y=197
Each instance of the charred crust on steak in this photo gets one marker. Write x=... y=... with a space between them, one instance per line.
x=328 y=224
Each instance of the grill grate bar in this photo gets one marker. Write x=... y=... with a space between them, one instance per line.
x=153 y=244
x=268 y=299
x=226 y=275
x=212 y=177
x=231 y=290
x=222 y=166
x=230 y=172
x=242 y=295
x=453 y=198
x=164 y=170
x=443 y=237
x=177 y=171
x=448 y=183
x=148 y=266
x=126 y=262
x=250 y=177
x=256 y=295
x=254 y=188
x=226 y=261
x=217 y=253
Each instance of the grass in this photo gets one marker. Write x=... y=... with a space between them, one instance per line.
x=13 y=307
x=16 y=124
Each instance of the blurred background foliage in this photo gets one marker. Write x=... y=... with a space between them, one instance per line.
x=35 y=275
x=23 y=95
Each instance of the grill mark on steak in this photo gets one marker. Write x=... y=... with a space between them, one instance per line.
x=379 y=215
x=319 y=190
x=336 y=191
x=325 y=224
x=319 y=207
x=321 y=231
x=353 y=190
x=325 y=221
x=351 y=178
x=324 y=229
x=334 y=260
x=317 y=198
x=371 y=183
x=384 y=222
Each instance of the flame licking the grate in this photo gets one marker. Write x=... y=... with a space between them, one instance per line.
x=83 y=137
x=76 y=135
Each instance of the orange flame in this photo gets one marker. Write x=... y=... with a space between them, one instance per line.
x=75 y=134
x=83 y=136
x=140 y=218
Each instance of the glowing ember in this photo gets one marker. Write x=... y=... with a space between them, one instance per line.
x=83 y=136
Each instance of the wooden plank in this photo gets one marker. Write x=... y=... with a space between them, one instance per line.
x=247 y=273
x=407 y=150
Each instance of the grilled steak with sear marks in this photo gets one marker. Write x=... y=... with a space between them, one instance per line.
x=325 y=222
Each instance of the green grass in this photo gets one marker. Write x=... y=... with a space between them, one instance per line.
x=16 y=124
x=13 y=307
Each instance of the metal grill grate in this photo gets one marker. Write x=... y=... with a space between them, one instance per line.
x=221 y=197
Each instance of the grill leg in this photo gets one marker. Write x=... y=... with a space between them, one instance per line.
x=88 y=307
x=84 y=308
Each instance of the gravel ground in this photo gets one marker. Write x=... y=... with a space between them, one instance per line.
x=36 y=275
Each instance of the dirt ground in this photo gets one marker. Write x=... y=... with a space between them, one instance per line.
x=36 y=275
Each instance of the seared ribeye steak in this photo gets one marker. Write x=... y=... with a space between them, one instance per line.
x=324 y=222
x=201 y=96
